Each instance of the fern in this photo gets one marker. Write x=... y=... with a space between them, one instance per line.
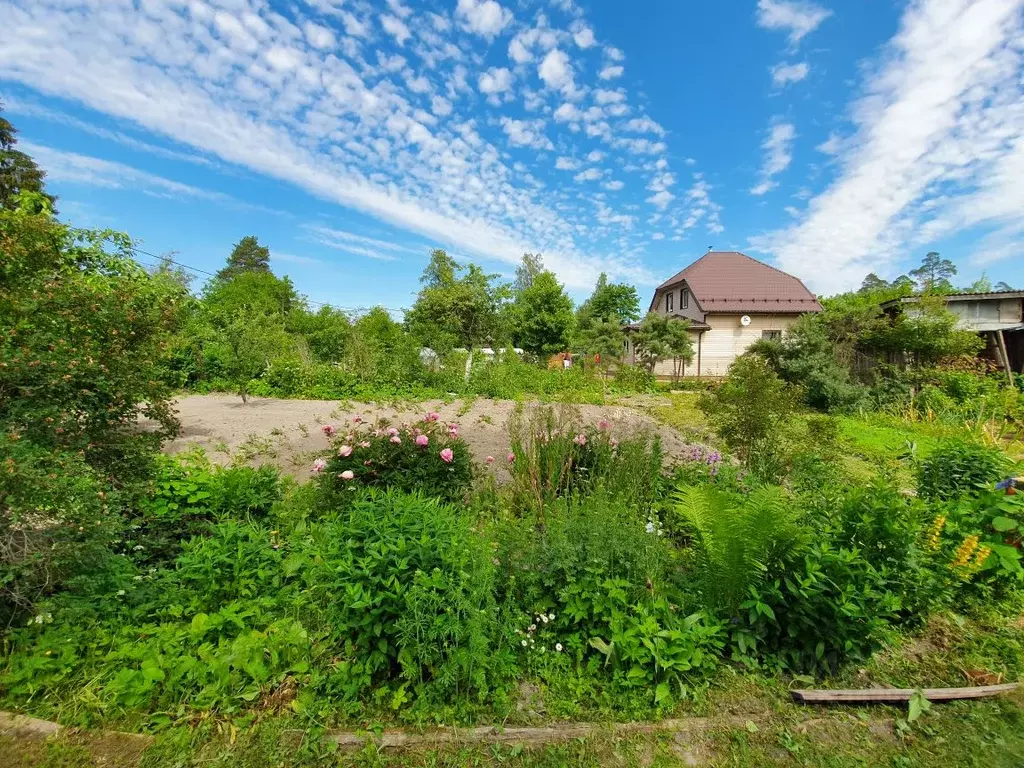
x=737 y=539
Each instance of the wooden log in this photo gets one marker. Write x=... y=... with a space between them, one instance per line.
x=898 y=695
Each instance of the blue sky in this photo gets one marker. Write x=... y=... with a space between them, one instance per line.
x=829 y=138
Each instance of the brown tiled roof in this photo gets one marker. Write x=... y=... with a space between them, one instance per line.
x=730 y=281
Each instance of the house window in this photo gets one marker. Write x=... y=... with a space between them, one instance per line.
x=684 y=299
x=772 y=335
x=668 y=301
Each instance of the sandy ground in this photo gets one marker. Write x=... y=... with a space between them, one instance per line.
x=287 y=433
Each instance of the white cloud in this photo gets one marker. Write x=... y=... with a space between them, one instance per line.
x=556 y=71
x=526 y=133
x=658 y=236
x=661 y=199
x=797 y=17
x=784 y=74
x=518 y=51
x=778 y=155
x=486 y=18
x=603 y=96
x=614 y=185
x=353 y=128
x=644 y=125
x=441 y=106
x=938 y=148
x=832 y=145
x=319 y=37
x=596 y=156
x=395 y=27
x=567 y=112
x=611 y=72
x=583 y=35
x=350 y=242
x=614 y=54
x=290 y=258
x=566 y=164
x=591 y=174
x=73 y=168
x=355 y=26
x=495 y=80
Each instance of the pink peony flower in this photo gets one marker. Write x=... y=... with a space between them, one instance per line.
x=345 y=450
x=602 y=424
x=328 y=429
x=319 y=465
x=422 y=440
x=392 y=431
x=348 y=474
x=357 y=419
x=432 y=416
x=511 y=458
x=489 y=459
x=396 y=439
x=580 y=439
x=364 y=444
x=349 y=437
x=447 y=456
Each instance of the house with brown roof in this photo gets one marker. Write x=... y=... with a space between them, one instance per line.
x=731 y=301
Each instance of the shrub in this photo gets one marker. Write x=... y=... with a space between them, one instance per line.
x=751 y=411
x=554 y=455
x=428 y=455
x=737 y=539
x=832 y=606
x=635 y=378
x=57 y=525
x=959 y=468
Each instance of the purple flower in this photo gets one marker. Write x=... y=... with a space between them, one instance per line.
x=1005 y=485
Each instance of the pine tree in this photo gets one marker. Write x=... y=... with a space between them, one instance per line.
x=247 y=256
x=18 y=171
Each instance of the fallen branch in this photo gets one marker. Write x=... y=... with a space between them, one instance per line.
x=898 y=695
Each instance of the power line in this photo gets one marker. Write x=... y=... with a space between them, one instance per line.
x=168 y=260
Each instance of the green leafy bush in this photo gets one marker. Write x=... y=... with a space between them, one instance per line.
x=426 y=455
x=959 y=468
x=737 y=539
x=553 y=455
x=833 y=606
x=751 y=411
x=57 y=525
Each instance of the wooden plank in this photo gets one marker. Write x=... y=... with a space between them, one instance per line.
x=1006 y=356
x=898 y=695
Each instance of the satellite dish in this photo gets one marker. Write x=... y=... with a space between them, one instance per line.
x=745 y=321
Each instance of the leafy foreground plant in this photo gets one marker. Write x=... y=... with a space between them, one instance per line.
x=394 y=591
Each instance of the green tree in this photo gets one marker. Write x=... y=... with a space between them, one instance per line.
x=610 y=301
x=168 y=269
x=326 y=332
x=458 y=306
x=252 y=343
x=934 y=273
x=982 y=285
x=247 y=256
x=84 y=332
x=751 y=411
x=531 y=266
x=1004 y=286
x=18 y=171
x=873 y=283
x=542 y=316
x=661 y=337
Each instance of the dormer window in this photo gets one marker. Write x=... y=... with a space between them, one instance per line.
x=668 y=300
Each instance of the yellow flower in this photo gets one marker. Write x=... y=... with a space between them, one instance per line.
x=964 y=552
x=936 y=532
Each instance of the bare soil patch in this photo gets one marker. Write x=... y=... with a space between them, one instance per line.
x=287 y=433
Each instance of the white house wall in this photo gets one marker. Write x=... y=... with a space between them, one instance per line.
x=726 y=341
